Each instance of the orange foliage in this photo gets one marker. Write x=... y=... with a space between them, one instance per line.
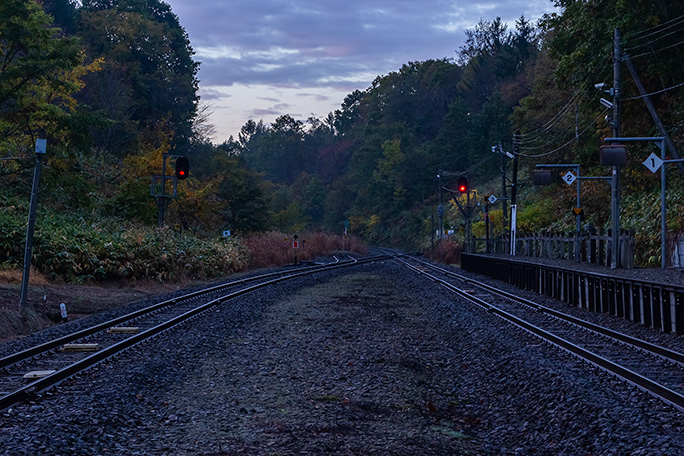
x=276 y=248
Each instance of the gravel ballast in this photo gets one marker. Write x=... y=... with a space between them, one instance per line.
x=367 y=360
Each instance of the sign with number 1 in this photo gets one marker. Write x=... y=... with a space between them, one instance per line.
x=653 y=162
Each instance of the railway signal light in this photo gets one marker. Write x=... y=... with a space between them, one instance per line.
x=182 y=167
x=613 y=155
x=462 y=184
x=541 y=177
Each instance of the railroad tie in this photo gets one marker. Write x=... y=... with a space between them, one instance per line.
x=80 y=347
x=39 y=374
x=124 y=330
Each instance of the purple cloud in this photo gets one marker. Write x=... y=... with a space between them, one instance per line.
x=337 y=44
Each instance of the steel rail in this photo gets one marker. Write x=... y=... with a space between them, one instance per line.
x=661 y=392
x=38 y=349
x=44 y=383
x=658 y=350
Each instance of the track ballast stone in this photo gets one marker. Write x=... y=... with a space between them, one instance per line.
x=366 y=360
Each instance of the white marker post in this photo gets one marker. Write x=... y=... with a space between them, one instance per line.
x=63 y=312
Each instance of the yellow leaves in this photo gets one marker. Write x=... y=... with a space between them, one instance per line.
x=373 y=220
x=72 y=82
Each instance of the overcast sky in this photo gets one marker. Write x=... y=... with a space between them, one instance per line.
x=264 y=58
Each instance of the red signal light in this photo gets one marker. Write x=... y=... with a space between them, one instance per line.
x=182 y=167
x=462 y=185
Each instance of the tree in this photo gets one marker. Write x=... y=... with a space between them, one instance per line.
x=40 y=70
x=485 y=40
x=148 y=61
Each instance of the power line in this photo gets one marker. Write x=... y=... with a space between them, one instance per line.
x=655 y=29
x=654 y=93
x=653 y=51
x=567 y=143
x=655 y=34
x=560 y=134
x=532 y=136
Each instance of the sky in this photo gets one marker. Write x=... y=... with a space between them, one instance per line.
x=264 y=58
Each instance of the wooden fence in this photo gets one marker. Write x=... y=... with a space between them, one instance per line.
x=595 y=247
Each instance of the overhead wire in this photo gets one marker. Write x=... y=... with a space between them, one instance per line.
x=653 y=35
x=653 y=51
x=541 y=132
x=654 y=93
x=561 y=134
x=654 y=30
x=567 y=143
x=554 y=120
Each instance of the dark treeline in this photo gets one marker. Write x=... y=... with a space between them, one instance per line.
x=112 y=83
x=375 y=160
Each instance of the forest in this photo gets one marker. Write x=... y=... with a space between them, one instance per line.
x=112 y=85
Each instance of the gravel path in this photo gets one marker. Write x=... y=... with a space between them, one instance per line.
x=371 y=360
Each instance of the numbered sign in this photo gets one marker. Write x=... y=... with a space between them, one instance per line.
x=569 y=178
x=653 y=162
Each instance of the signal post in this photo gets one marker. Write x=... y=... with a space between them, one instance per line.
x=158 y=188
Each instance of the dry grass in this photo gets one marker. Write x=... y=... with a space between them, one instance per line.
x=12 y=276
x=275 y=248
x=447 y=252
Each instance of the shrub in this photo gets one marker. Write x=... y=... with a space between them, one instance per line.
x=275 y=248
x=446 y=251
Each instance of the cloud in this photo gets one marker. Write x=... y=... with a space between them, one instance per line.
x=341 y=45
x=315 y=96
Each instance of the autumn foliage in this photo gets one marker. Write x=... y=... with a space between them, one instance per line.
x=276 y=248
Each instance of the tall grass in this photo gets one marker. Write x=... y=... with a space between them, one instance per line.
x=446 y=251
x=68 y=248
x=276 y=248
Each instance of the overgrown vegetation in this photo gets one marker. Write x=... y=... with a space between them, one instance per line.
x=276 y=248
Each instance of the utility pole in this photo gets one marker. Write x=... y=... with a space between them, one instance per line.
x=615 y=190
x=504 y=210
x=486 y=217
x=41 y=145
x=514 y=191
x=440 y=208
x=163 y=200
x=158 y=189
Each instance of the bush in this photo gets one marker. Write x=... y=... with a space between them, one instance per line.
x=446 y=251
x=275 y=248
x=72 y=249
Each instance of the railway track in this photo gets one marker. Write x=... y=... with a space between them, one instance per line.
x=652 y=368
x=29 y=372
